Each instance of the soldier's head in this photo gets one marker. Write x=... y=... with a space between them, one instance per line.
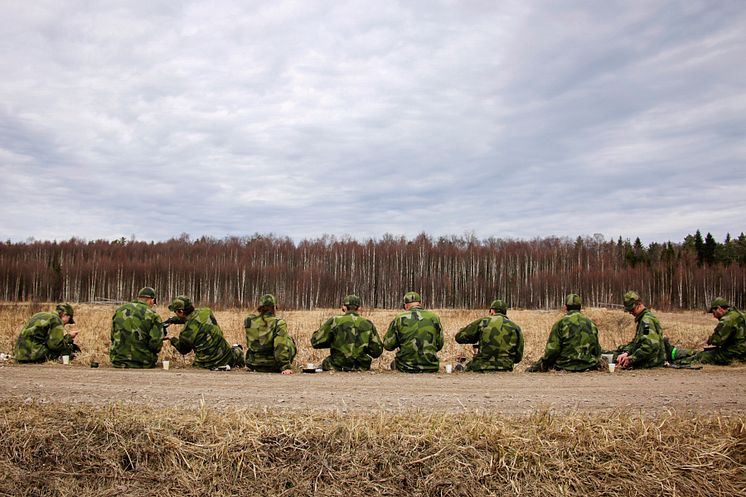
x=65 y=312
x=267 y=303
x=573 y=302
x=147 y=295
x=718 y=307
x=633 y=303
x=181 y=306
x=411 y=299
x=351 y=303
x=499 y=306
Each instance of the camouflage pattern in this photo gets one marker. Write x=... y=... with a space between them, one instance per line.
x=270 y=349
x=499 y=306
x=203 y=336
x=147 y=291
x=410 y=297
x=646 y=350
x=267 y=299
x=352 y=300
x=630 y=300
x=67 y=309
x=728 y=342
x=136 y=336
x=572 y=344
x=573 y=299
x=43 y=338
x=718 y=302
x=419 y=336
x=353 y=340
x=500 y=343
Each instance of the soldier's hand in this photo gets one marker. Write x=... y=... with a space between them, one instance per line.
x=73 y=333
x=623 y=360
x=287 y=371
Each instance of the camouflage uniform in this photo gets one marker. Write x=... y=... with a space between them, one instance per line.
x=353 y=341
x=572 y=344
x=43 y=338
x=202 y=335
x=136 y=334
x=270 y=349
x=728 y=340
x=500 y=341
x=419 y=336
x=646 y=350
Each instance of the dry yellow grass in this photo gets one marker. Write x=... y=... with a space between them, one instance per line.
x=688 y=329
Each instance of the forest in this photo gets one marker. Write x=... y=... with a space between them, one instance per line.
x=450 y=272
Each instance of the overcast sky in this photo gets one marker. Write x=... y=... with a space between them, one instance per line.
x=513 y=119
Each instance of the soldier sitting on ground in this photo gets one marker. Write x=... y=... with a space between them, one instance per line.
x=44 y=338
x=573 y=342
x=418 y=335
x=203 y=336
x=353 y=339
x=270 y=349
x=498 y=340
x=647 y=349
x=136 y=333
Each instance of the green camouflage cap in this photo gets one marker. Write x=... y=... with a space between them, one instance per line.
x=352 y=300
x=180 y=303
x=499 y=305
x=146 y=292
x=630 y=300
x=573 y=299
x=718 y=302
x=410 y=297
x=67 y=309
x=267 y=299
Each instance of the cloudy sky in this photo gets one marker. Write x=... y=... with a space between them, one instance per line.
x=513 y=119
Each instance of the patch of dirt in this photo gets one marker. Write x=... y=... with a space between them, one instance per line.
x=710 y=390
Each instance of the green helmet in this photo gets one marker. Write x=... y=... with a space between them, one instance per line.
x=718 y=302
x=410 y=297
x=352 y=300
x=146 y=292
x=267 y=299
x=573 y=299
x=630 y=300
x=499 y=306
x=180 y=303
x=67 y=309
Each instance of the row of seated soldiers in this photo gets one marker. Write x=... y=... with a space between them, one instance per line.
x=138 y=334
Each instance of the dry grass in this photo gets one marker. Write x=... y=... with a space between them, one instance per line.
x=688 y=329
x=115 y=450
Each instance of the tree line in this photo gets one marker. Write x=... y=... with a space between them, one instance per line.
x=455 y=271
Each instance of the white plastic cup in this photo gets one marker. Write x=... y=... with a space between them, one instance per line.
x=612 y=367
x=166 y=364
x=65 y=360
x=449 y=368
x=310 y=365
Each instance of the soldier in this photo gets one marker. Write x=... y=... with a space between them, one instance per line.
x=269 y=347
x=418 y=335
x=573 y=342
x=202 y=335
x=136 y=332
x=728 y=341
x=44 y=338
x=499 y=341
x=353 y=339
x=647 y=349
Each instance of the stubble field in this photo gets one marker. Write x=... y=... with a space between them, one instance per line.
x=81 y=431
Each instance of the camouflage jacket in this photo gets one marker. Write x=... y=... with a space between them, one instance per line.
x=353 y=341
x=646 y=350
x=269 y=347
x=419 y=336
x=136 y=336
x=572 y=344
x=202 y=335
x=43 y=338
x=730 y=335
x=500 y=343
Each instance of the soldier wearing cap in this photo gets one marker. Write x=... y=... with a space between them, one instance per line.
x=573 y=342
x=418 y=334
x=497 y=339
x=203 y=336
x=270 y=349
x=44 y=338
x=727 y=342
x=647 y=349
x=352 y=339
x=136 y=332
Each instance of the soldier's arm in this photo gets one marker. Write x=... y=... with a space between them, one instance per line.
x=722 y=333
x=155 y=334
x=469 y=333
x=321 y=338
x=439 y=339
x=56 y=340
x=184 y=343
x=553 y=347
x=391 y=339
x=284 y=350
x=375 y=346
x=518 y=355
x=647 y=343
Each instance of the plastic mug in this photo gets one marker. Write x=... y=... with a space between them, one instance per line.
x=449 y=368
x=612 y=367
x=65 y=359
x=310 y=365
x=166 y=364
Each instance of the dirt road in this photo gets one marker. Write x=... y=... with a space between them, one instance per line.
x=711 y=390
